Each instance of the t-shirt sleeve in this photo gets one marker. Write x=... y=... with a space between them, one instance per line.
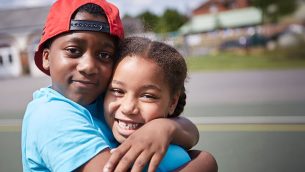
x=174 y=158
x=66 y=137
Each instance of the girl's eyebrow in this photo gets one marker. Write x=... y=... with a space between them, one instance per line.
x=152 y=86
x=147 y=86
x=117 y=82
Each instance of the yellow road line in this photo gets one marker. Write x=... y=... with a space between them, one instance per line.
x=252 y=127
x=216 y=127
x=10 y=128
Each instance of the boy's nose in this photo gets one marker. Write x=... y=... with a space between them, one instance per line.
x=129 y=106
x=87 y=65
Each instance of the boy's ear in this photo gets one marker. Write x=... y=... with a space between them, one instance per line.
x=173 y=103
x=45 y=59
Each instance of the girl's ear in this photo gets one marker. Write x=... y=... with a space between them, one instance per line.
x=173 y=103
x=45 y=59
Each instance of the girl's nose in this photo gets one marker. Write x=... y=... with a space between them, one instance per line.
x=129 y=106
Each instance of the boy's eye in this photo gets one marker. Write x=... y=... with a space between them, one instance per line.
x=73 y=51
x=105 y=56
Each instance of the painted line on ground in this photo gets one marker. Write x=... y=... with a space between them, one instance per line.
x=10 y=125
x=249 y=120
x=231 y=123
x=250 y=123
x=251 y=127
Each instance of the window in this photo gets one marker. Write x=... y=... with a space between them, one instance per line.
x=10 y=58
x=1 y=60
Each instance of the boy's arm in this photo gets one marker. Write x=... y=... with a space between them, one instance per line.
x=149 y=144
x=185 y=133
x=201 y=162
x=96 y=163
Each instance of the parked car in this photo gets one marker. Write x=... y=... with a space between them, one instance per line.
x=255 y=40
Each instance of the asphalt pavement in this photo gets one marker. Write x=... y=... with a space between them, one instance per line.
x=249 y=120
x=242 y=93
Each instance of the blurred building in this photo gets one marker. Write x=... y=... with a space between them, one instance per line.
x=20 y=31
x=216 y=21
x=222 y=14
x=219 y=6
x=219 y=25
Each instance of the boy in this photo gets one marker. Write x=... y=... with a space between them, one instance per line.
x=63 y=129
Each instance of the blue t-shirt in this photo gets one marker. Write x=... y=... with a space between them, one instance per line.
x=61 y=135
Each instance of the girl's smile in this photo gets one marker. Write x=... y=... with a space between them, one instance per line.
x=126 y=127
x=137 y=94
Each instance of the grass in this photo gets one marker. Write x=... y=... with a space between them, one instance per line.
x=238 y=61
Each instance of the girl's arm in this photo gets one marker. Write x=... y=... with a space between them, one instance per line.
x=149 y=144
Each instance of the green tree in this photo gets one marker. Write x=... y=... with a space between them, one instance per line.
x=170 y=21
x=150 y=20
x=273 y=9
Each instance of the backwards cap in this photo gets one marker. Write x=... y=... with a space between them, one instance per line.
x=59 y=21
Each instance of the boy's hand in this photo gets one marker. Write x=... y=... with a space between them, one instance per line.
x=147 y=145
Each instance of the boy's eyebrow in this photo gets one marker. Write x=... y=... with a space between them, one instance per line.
x=107 y=44
x=104 y=44
x=77 y=40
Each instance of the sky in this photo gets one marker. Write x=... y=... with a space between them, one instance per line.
x=131 y=7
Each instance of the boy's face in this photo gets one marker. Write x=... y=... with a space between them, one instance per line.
x=80 y=62
x=137 y=94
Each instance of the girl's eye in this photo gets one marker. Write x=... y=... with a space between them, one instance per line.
x=149 y=97
x=104 y=56
x=117 y=92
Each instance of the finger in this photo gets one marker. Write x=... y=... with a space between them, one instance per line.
x=127 y=160
x=112 y=150
x=141 y=161
x=155 y=161
x=116 y=157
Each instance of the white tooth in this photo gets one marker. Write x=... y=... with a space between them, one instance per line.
x=134 y=126
x=127 y=126
x=122 y=124
x=130 y=126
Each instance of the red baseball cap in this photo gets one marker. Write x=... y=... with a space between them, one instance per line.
x=59 y=21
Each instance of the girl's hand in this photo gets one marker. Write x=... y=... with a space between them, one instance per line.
x=147 y=145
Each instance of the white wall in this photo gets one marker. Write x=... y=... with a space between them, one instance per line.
x=10 y=65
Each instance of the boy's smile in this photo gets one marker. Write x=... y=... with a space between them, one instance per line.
x=83 y=84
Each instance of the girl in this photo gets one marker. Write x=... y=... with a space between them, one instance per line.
x=147 y=84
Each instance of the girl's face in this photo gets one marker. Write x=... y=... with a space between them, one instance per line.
x=138 y=93
x=80 y=62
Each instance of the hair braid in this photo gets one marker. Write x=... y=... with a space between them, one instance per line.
x=181 y=103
